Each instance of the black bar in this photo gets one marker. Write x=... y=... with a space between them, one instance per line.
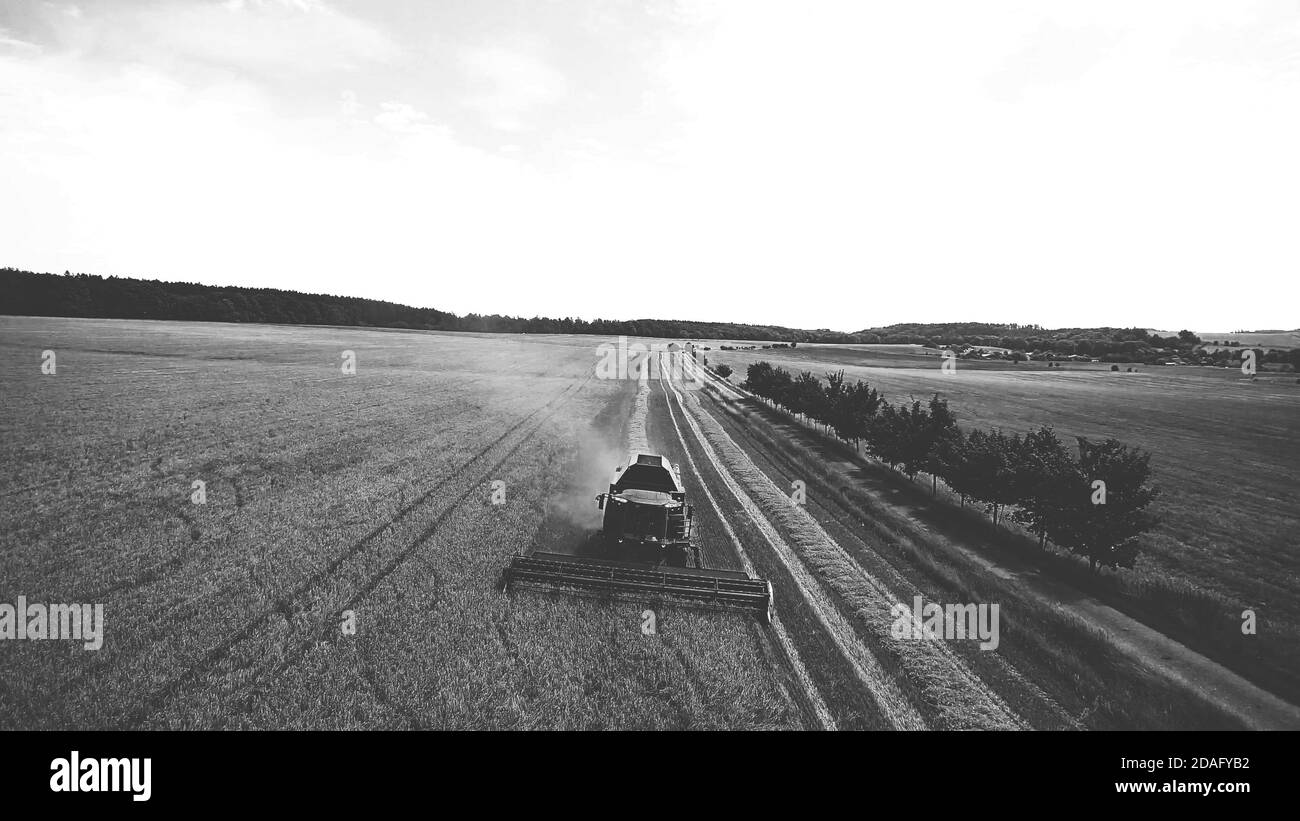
x=980 y=773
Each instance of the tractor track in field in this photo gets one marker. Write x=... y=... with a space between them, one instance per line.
x=285 y=606
x=108 y=472
x=149 y=575
x=549 y=410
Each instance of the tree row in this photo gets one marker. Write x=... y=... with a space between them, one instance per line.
x=1091 y=500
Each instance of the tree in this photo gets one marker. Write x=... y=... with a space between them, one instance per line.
x=947 y=462
x=863 y=404
x=914 y=439
x=807 y=397
x=941 y=432
x=1102 y=522
x=722 y=370
x=988 y=471
x=850 y=408
x=1047 y=476
x=836 y=393
x=758 y=379
x=782 y=387
x=885 y=435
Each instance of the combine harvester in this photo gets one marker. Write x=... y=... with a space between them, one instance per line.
x=646 y=549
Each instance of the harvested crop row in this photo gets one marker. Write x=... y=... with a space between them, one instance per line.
x=891 y=702
x=960 y=699
x=816 y=704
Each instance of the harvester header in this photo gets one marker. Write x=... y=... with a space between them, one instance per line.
x=646 y=546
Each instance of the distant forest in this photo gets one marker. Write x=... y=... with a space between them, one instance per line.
x=88 y=295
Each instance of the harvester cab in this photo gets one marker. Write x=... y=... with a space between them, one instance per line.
x=646 y=546
x=646 y=515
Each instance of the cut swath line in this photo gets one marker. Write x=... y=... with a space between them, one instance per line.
x=964 y=699
x=891 y=702
x=637 y=442
x=854 y=519
x=814 y=698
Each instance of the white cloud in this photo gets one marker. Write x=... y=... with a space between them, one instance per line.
x=9 y=41
x=402 y=118
x=257 y=37
x=512 y=85
x=349 y=105
x=1053 y=55
x=300 y=5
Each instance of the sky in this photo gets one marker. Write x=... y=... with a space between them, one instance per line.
x=816 y=164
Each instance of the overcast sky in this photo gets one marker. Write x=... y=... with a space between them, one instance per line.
x=810 y=164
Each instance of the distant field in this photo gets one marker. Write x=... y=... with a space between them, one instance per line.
x=892 y=356
x=327 y=493
x=1225 y=451
x=1286 y=339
